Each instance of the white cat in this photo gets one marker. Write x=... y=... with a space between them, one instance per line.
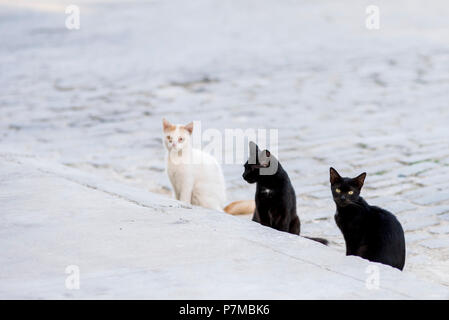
x=196 y=176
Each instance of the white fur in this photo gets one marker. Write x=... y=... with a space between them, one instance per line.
x=196 y=176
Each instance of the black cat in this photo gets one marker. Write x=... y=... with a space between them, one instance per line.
x=370 y=232
x=275 y=197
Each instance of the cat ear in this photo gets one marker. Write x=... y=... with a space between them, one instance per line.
x=165 y=124
x=253 y=152
x=253 y=146
x=189 y=127
x=334 y=176
x=264 y=158
x=360 y=180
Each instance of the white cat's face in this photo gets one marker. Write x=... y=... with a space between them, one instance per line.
x=176 y=137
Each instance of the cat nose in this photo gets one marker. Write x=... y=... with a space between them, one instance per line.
x=343 y=198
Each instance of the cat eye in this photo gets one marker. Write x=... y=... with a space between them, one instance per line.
x=351 y=193
x=180 y=139
x=338 y=190
x=168 y=137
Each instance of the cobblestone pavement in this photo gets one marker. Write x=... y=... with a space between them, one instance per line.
x=339 y=94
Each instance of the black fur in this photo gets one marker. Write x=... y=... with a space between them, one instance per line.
x=370 y=232
x=275 y=197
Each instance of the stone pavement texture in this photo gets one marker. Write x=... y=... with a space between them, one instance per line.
x=128 y=244
x=340 y=95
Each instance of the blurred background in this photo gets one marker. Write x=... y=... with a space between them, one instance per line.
x=339 y=93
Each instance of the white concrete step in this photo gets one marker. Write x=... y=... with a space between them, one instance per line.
x=128 y=243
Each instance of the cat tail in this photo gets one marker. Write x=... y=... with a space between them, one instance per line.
x=240 y=207
x=320 y=240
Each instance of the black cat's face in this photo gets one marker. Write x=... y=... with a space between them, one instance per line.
x=258 y=160
x=346 y=190
x=251 y=173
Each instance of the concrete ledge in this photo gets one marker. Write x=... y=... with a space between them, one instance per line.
x=129 y=243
